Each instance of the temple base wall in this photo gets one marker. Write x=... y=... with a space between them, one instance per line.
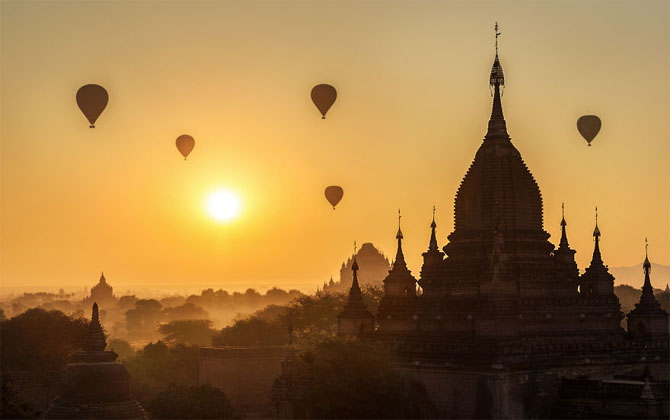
x=245 y=375
x=499 y=393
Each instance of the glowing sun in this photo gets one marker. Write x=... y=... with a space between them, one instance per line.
x=223 y=205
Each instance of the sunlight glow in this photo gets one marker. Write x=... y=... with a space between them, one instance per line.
x=223 y=205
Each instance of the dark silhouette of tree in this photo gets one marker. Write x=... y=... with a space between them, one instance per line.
x=351 y=379
x=12 y=406
x=195 y=332
x=158 y=365
x=251 y=332
x=40 y=340
x=185 y=311
x=121 y=347
x=192 y=402
x=144 y=318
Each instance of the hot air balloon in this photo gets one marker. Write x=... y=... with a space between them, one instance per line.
x=323 y=96
x=334 y=194
x=589 y=126
x=92 y=100
x=185 y=144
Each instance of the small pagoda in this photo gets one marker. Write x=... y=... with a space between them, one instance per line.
x=94 y=384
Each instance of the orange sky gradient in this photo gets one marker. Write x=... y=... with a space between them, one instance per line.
x=412 y=108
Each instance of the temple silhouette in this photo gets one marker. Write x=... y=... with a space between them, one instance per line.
x=94 y=384
x=375 y=267
x=505 y=321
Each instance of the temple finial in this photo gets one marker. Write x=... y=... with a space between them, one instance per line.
x=355 y=291
x=564 y=235
x=597 y=258
x=497 y=35
x=497 y=126
x=432 y=245
x=596 y=231
x=399 y=234
x=647 y=265
x=354 y=265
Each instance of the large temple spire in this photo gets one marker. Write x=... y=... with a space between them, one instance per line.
x=497 y=125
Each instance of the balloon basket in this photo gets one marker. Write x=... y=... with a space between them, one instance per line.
x=91 y=126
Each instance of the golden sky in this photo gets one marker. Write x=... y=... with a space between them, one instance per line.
x=413 y=103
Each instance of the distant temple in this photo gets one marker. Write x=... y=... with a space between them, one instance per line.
x=374 y=267
x=505 y=324
x=95 y=385
x=102 y=293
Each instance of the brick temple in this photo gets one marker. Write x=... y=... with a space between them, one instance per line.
x=505 y=325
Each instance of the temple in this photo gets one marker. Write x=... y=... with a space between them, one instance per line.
x=102 y=294
x=94 y=384
x=505 y=319
x=373 y=268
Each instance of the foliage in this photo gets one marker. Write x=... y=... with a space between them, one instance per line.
x=185 y=311
x=351 y=379
x=121 y=347
x=40 y=340
x=143 y=319
x=158 y=365
x=251 y=332
x=313 y=317
x=192 y=402
x=196 y=332
x=12 y=406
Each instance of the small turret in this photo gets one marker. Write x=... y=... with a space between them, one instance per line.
x=355 y=320
x=567 y=273
x=432 y=261
x=596 y=280
x=648 y=318
x=399 y=284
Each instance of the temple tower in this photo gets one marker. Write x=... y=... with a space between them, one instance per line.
x=355 y=320
x=431 y=271
x=566 y=271
x=597 y=280
x=648 y=318
x=397 y=308
x=498 y=246
x=95 y=385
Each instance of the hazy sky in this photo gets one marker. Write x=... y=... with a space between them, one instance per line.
x=412 y=108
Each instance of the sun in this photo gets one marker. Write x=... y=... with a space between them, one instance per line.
x=223 y=205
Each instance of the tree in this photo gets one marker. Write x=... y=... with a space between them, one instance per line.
x=158 y=365
x=194 y=332
x=144 y=318
x=185 y=311
x=12 y=406
x=251 y=332
x=40 y=340
x=351 y=379
x=192 y=402
x=121 y=347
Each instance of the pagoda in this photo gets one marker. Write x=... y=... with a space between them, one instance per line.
x=95 y=385
x=355 y=320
